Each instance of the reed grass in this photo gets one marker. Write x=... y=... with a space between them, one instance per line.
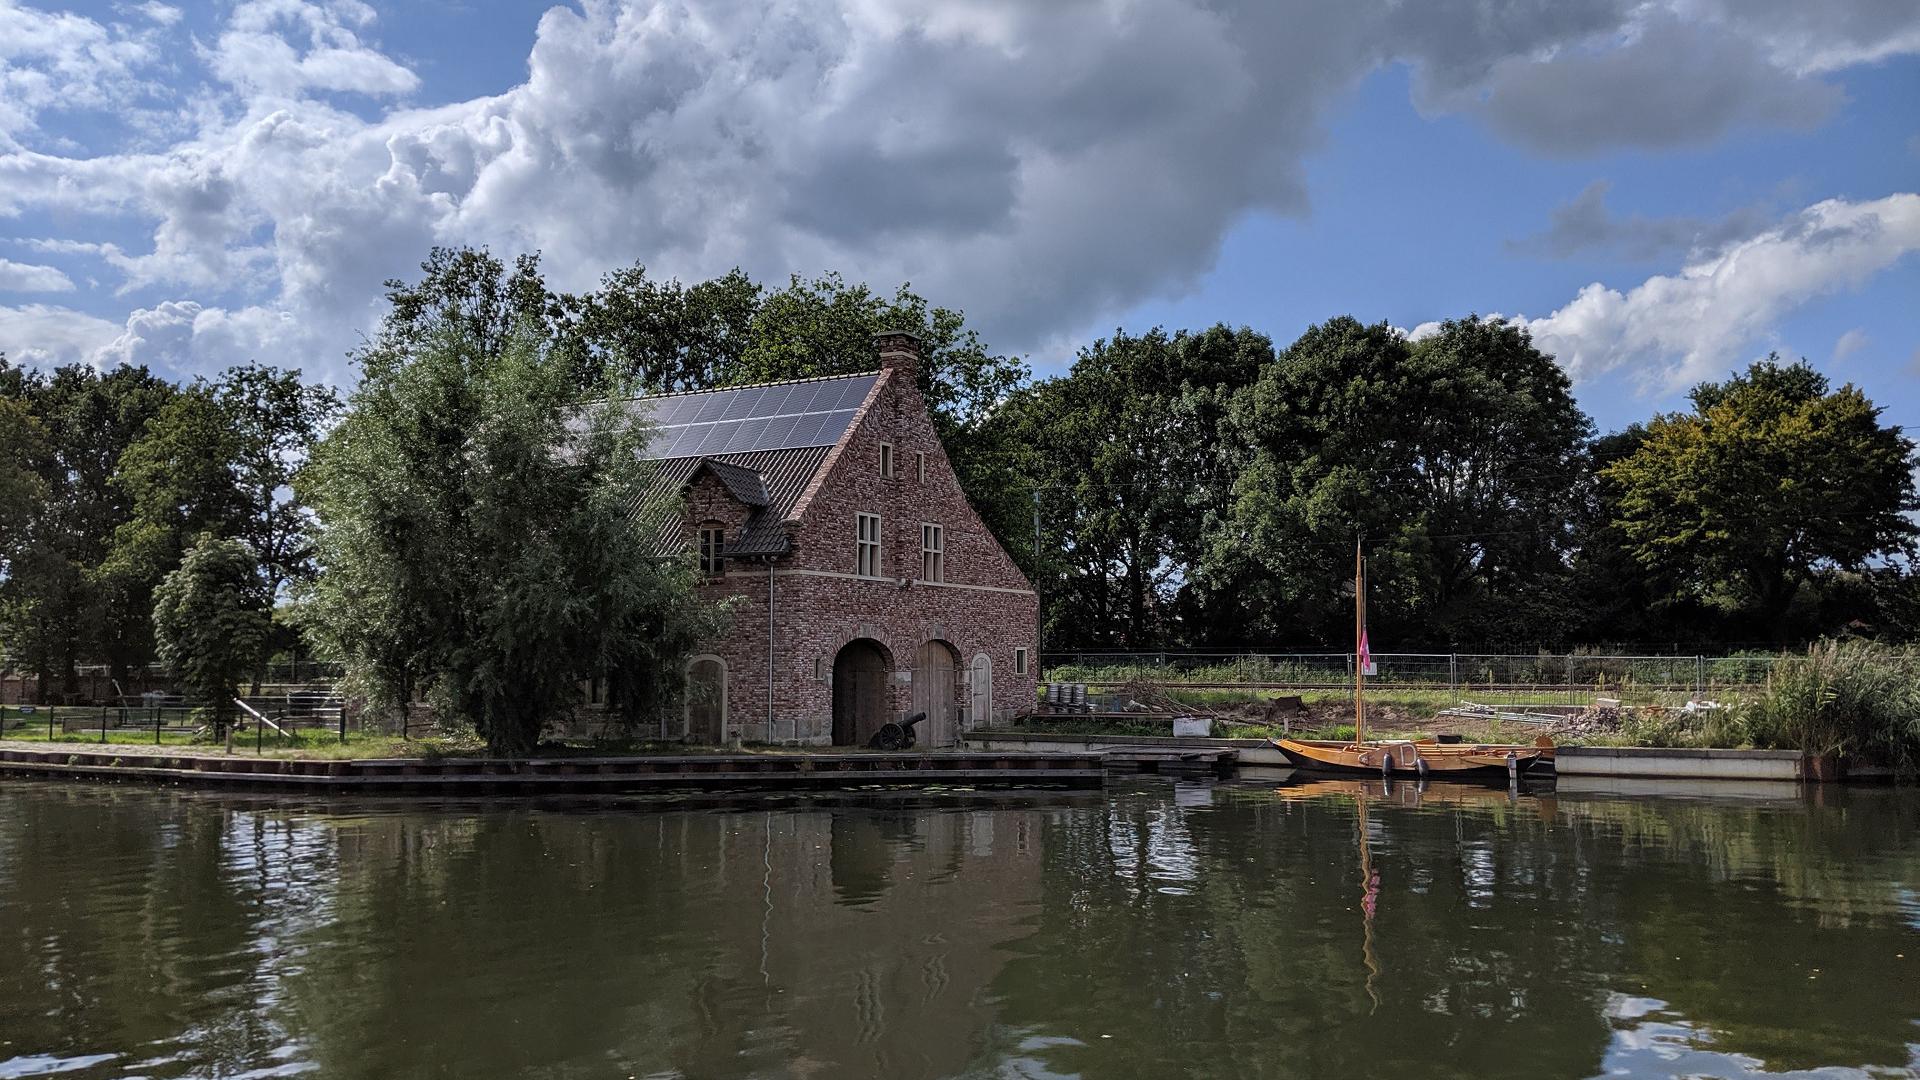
x=1848 y=698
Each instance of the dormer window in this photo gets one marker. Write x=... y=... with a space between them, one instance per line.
x=712 y=539
x=886 y=460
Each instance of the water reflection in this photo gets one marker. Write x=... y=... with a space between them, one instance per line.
x=1188 y=930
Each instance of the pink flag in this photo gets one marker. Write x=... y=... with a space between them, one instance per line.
x=1366 y=655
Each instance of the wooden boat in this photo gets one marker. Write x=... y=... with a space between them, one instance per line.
x=1402 y=757
x=1406 y=758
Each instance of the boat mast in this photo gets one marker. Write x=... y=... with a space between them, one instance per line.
x=1359 y=644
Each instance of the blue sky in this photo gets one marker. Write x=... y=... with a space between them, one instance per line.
x=1664 y=190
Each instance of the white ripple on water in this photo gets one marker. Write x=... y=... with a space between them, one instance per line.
x=1651 y=1040
x=47 y=1065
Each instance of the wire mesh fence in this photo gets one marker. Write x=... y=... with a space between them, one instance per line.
x=1577 y=676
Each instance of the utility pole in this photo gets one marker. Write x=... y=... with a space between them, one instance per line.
x=1039 y=612
x=1036 y=529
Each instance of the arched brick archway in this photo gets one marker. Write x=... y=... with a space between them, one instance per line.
x=861 y=673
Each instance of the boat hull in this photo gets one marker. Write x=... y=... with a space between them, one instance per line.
x=1404 y=759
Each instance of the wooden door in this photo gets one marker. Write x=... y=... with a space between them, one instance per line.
x=934 y=674
x=980 y=693
x=707 y=700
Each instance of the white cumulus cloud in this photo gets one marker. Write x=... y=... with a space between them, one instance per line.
x=29 y=277
x=1682 y=327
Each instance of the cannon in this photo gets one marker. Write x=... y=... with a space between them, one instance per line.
x=892 y=736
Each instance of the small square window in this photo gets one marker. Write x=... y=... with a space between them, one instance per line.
x=920 y=465
x=933 y=552
x=886 y=460
x=712 y=539
x=1019 y=661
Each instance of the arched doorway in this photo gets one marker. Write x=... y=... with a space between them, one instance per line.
x=936 y=692
x=706 y=715
x=980 y=692
x=859 y=692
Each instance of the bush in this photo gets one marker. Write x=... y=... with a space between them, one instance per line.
x=1854 y=699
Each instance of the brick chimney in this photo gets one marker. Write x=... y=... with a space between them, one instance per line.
x=899 y=350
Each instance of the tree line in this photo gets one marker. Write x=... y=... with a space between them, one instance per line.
x=1169 y=489
x=1207 y=489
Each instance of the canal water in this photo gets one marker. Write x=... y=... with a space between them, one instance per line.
x=1154 y=930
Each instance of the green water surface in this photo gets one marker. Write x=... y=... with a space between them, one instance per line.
x=1155 y=930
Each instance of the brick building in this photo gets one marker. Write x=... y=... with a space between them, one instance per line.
x=867 y=588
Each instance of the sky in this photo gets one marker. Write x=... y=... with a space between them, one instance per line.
x=1661 y=190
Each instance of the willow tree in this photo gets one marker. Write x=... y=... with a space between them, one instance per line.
x=486 y=541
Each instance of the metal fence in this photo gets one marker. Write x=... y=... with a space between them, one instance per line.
x=277 y=718
x=1579 y=676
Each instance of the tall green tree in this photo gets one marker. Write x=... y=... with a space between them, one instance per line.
x=61 y=609
x=661 y=336
x=22 y=491
x=1457 y=457
x=1773 y=478
x=275 y=419
x=1123 y=461
x=210 y=622
x=176 y=478
x=480 y=541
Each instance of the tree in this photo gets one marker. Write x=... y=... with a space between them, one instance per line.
x=662 y=336
x=210 y=623
x=178 y=484
x=59 y=608
x=1457 y=457
x=1772 y=479
x=22 y=492
x=490 y=542
x=1123 y=459
x=275 y=420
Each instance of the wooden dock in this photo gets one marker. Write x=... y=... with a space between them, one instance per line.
x=665 y=772
x=1202 y=761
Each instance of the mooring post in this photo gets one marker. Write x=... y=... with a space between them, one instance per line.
x=103 y=725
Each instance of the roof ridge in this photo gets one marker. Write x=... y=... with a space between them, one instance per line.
x=748 y=386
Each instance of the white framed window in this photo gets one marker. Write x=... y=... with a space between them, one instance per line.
x=1019 y=661
x=867 y=552
x=920 y=465
x=933 y=552
x=886 y=460
x=712 y=539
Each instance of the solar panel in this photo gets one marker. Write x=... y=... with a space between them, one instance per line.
x=746 y=435
x=780 y=430
x=750 y=418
